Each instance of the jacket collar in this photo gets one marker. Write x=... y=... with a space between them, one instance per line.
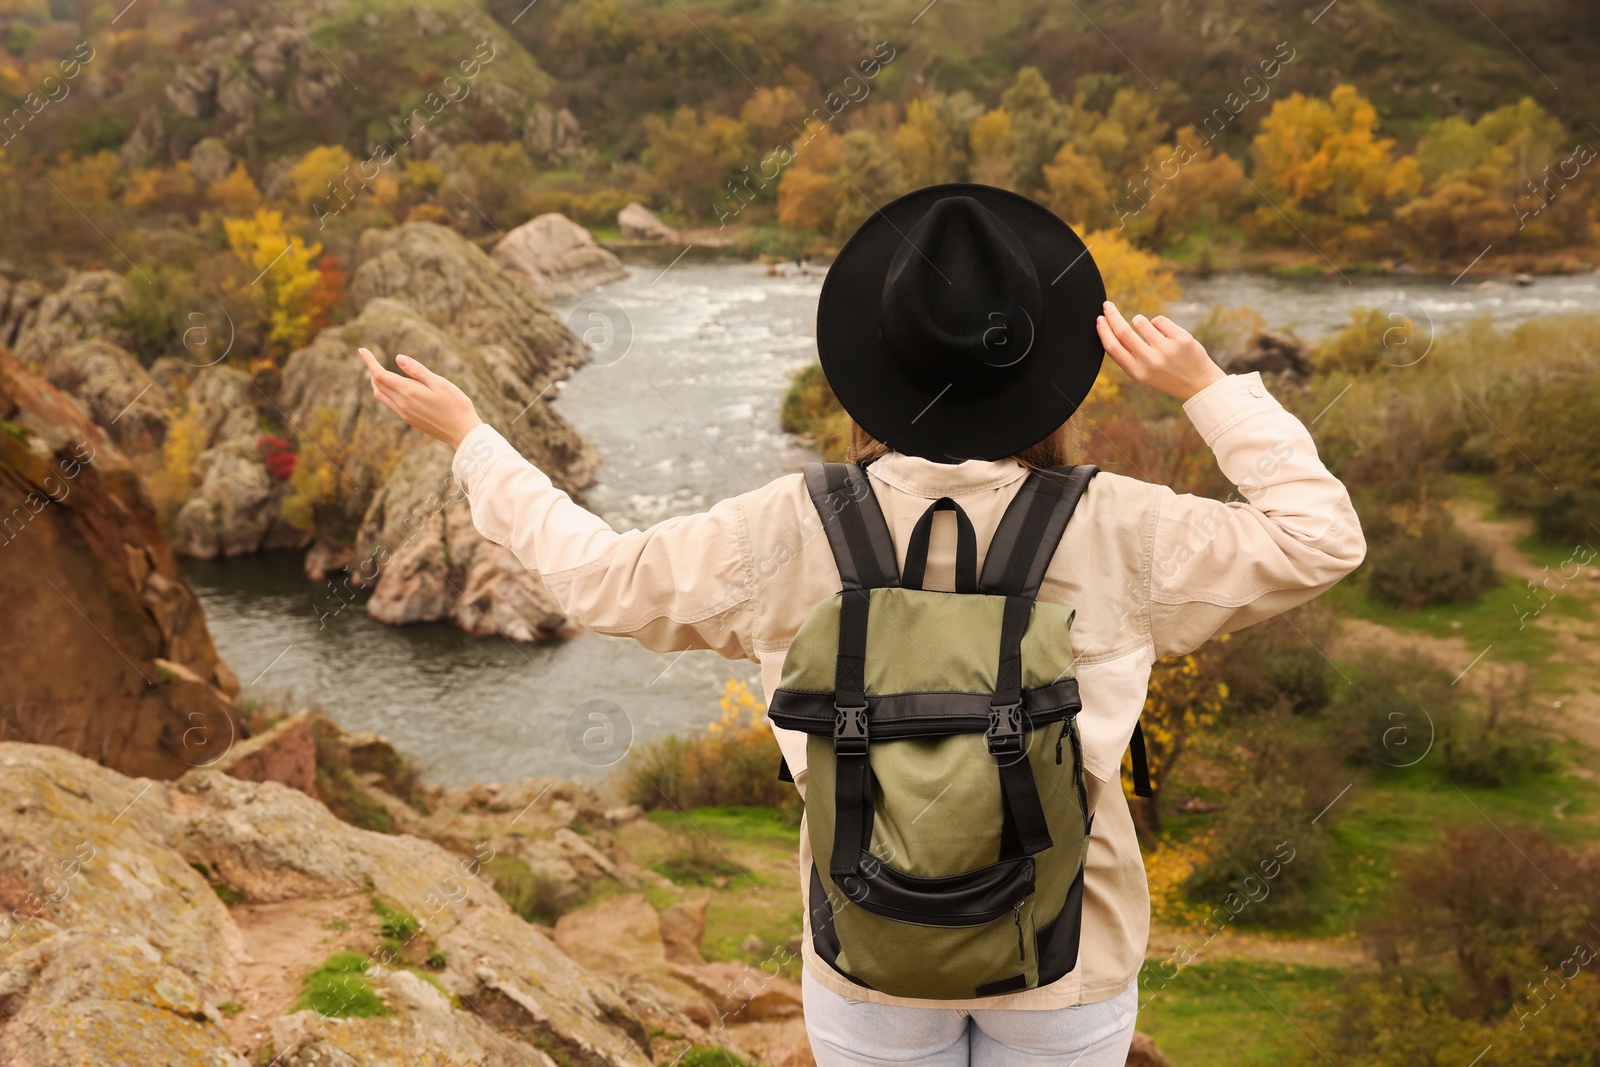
x=928 y=478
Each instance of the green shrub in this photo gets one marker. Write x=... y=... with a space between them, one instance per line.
x=1417 y=557
x=1278 y=662
x=1497 y=745
x=1390 y=713
x=340 y=988
x=535 y=896
x=696 y=861
x=733 y=763
x=395 y=922
x=1267 y=844
x=810 y=408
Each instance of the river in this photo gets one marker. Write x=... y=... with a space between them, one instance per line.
x=683 y=408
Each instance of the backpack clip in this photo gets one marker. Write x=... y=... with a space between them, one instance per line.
x=850 y=730
x=1005 y=728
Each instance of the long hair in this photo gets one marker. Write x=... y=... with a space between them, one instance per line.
x=1064 y=445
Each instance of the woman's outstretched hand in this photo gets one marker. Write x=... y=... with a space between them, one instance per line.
x=432 y=404
x=1157 y=352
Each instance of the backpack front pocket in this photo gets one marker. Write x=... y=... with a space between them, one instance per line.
x=957 y=946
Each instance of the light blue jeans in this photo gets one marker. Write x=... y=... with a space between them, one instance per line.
x=857 y=1033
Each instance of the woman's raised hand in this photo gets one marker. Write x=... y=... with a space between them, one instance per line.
x=432 y=404
x=1157 y=352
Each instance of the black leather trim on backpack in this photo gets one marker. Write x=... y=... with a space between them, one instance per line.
x=1056 y=942
x=824 y=938
x=917 y=714
x=862 y=546
x=971 y=898
x=966 y=548
x=1038 y=516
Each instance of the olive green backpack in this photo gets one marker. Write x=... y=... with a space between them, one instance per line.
x=946 y=800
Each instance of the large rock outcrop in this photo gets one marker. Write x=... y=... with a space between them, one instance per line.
x=425 y=291
x=105 y=649
x=235 y=505
x=639 y=223
x=115 y=946
x=85 y=307
x=555 y=257
x=117 y=391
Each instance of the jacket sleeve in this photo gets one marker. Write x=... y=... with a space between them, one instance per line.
x=683 y=583
x=1217 y=567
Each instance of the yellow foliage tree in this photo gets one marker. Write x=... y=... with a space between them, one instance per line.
x=283 y=267
x=810 y=191
x=169 y=486
x=1078 y=189
x=156 y=188
x=315 y=179
x=993 y=151
x=1323 y=159
x=930 y=144
x=808 y=200
x=1185 y=695
x=769 y=115
x=1135 y=280
x=235 y=194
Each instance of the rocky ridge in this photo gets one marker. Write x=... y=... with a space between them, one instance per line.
x=116 y=942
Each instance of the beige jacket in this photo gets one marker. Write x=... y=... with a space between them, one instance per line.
x=1150 y=572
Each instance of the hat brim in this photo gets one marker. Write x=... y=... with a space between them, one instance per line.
x=1056 y=375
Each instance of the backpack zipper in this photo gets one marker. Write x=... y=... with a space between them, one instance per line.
x=1016 y=917
x=1060 y=737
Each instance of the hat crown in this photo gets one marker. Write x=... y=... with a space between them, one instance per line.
x=961 y=302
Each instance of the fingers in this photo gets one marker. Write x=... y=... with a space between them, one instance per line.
x=380 y=373
x=1170 y=329
x=1132 y=341
x=1113 y=347
x=417 y=370
x=1148 y=332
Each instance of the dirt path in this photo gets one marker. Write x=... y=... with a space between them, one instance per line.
x=1574 y=709
x=284 y=942
x=1203 y=944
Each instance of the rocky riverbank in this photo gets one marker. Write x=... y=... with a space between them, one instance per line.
x=303 y=457
x=198 y=921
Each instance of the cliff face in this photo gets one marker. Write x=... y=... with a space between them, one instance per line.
x=104 y=649
x=425 y=291
x=116 y=947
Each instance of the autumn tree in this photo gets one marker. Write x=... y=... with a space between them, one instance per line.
x=1183 y=187
x=1078 y=189
x=810 y=191
x=487 y=183
x=1507 y=178
x=870 y=176
x=993 y=153
x=771 y=116
x=235 y=194
x=1122 y=134
x=282 y=266
x=931 y=144
x=689 y=163
x=1325 y=168
x=315 y=179
x=1038 y=127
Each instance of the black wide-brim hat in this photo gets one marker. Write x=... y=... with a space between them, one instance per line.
x=959 y=323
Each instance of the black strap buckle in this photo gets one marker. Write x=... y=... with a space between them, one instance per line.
x=1005 y=729
x=850 y=730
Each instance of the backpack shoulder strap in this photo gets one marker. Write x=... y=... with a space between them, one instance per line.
x=1025 y=540
x=857 y=533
